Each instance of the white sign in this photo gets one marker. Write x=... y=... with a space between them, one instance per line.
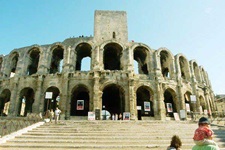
x=176 y=116
x=80 y=104
x=182 y=114
x=193 y=98
x=58 y=98
x=91 y=115
x=48 y=95
x=138 y=107
x=188 y=107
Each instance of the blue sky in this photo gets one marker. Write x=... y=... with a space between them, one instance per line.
x=195 y=28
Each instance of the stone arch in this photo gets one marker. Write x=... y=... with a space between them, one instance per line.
x=113 y=98
x=144 y=98
x=196 y=71
x=112 y=56
x=34 y=56
x=26 y=101
x=57 y=59
x=14 y=57
x=51 y=103
x=184 y=67
x=5 y=102
x=80 y=100
x=83 y=50
x=170 y=100
x=203 y=75
x=166 y=62
x=140 y=55
x=188 y=104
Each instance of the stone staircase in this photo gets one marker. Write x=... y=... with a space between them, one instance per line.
x=84 y=135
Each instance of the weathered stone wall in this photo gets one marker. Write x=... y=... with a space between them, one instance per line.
x=112 y=80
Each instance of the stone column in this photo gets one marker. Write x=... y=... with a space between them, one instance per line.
x=160 y=111
x=97 y=104
x=180 y=98
x=132 y=100
x=39 y=96
x=64 y=97
x=13 y=110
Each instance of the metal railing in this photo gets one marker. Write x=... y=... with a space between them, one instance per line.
x=12 y=124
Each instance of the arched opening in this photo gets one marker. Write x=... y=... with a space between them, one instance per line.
x=26 y=101
x=112 y=55
x=13 y=65
x=86 y=64
x=140 y=56
x=170 y=102
x=79 y=101
x=166 y=62
x=184 y=68
x=113 y=99
x=196 y=71
x=33 y=61
x=57 y=57
x=83 y=52
x=52 y=98
x=188 y=104
x=144 y=101
x=5 y=102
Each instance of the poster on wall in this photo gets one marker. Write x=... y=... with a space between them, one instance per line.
x=169 y=107
x=188 y=107
x=147 y=106
x=126 y=116
x=80 y=104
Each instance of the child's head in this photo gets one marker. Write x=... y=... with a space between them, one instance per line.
x=175 y=142
x=203 y=121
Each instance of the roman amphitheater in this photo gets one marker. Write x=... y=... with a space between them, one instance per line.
x=37 y=78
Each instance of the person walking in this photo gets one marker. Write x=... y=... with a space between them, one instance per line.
x=57 y=113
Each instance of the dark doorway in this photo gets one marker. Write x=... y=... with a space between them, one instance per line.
x=113 y=99
x=26 y=101
x=170 y=105
x=52 y=103
x=79 y=101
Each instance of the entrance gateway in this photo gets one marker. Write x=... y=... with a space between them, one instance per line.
x=123 y=76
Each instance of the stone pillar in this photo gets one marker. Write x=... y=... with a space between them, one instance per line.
x=67 y=60
x=13 y=108
x=64 y=97
x=95 y=59
x=97 y=94
x=160 y=111
x=39 y=96
x=180 y=98
x=132 y=100
x=43 y=67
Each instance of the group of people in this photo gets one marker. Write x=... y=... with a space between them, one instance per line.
x=53 y=115
x=203 y=138
x=117 y=117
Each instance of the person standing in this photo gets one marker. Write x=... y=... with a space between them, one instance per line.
x=57 y=113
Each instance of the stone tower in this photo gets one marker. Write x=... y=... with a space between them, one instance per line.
x=110 y=24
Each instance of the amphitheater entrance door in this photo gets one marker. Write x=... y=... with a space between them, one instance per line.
x=79 y=101
x=169 y=100
x=113 y=100
x=52 y=102
x=26 y=101
x=144 y=103
x=4 y=102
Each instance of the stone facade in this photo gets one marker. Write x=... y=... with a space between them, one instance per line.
x=162 y=79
